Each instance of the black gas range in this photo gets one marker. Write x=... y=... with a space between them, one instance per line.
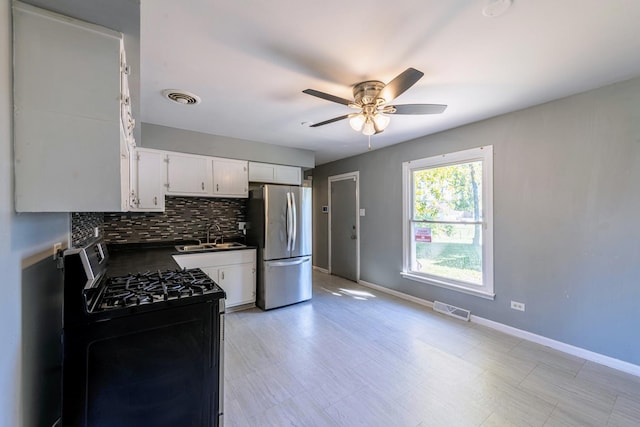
x=144 y=348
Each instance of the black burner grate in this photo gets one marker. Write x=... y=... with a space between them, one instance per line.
x=150 y=287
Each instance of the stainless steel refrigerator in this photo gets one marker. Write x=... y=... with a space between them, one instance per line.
x=280 y=226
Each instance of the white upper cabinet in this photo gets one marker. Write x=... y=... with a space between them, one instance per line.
x=274 y=174
x=194 y=175
x=230 y=178
x=288 y=175
x=147 y=180
x=71 y=145
x=188 y=175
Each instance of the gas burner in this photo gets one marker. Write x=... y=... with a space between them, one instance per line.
x=152 y=287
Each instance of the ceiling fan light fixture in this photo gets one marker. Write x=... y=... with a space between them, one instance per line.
x=381 y=121
x=357 y=122
x=371 y=97
x=368 y=128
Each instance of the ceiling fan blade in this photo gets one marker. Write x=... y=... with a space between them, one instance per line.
x=326 y=122
x=400 y=84
x=327 y=96
x=418 y=109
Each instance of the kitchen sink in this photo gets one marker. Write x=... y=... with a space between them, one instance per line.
x=209 y=247
x=230 y=245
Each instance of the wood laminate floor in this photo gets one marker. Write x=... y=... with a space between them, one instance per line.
x=353 y=356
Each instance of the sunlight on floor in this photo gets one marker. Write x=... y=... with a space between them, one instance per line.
x=359 y=295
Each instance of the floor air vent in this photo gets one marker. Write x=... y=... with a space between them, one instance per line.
x=451 y=310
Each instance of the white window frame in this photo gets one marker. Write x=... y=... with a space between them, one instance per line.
x=484 y=154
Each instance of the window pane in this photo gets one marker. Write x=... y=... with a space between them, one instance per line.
x=448 y=221
x=448 y=193
x=452 y=251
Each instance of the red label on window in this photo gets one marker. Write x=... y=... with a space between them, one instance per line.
x=423 y=235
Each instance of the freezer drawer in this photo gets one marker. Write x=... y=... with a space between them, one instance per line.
x=284 y=282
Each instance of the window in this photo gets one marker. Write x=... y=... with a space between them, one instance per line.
x=448 y=224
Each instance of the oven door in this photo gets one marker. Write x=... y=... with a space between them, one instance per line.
x=158 y=368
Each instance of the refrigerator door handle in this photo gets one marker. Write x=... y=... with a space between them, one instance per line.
x=287 y=263
x=289 y=221
x=295 y=222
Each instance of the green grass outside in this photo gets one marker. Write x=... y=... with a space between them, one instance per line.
x=460 y=261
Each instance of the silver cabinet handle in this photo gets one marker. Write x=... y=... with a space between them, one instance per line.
x=203 y=185
x=222 y=275
x=217 y=187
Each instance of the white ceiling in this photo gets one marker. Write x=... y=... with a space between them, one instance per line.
x=249 y=61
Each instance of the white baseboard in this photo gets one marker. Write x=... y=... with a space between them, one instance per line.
x=608 y=361
x=402 y=295
x=321 y=270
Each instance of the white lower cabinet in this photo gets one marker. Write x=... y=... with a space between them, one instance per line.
x=234 y=271
x=239 y=282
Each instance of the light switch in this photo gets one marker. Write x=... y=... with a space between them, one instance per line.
x=361 y=212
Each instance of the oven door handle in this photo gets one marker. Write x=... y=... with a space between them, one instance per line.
x=221 y=311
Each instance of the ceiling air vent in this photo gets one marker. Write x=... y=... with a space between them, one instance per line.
x=181 y=96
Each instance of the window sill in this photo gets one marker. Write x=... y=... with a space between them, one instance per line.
x=446 y=285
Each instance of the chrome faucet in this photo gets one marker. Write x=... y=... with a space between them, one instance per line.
x=221 y=234
x=209 y=233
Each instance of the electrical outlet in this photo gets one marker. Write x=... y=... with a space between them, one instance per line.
x=517 y=305
x=56 y=247
x=242 y=225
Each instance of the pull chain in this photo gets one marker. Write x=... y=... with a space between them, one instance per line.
x=369 y=142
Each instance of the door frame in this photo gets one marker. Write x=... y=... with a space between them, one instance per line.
x=346 y=176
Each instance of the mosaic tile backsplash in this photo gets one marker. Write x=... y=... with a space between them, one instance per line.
x=83 y=225
x=184 y=218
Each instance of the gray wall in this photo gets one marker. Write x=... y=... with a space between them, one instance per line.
x=25 y=240
x=566 y=204
x=186 y=141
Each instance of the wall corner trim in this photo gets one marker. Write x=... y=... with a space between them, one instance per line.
x=601 y=359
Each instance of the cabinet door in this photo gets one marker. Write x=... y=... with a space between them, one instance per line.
x=66 y=114
x=239 y=283
x=288 y=175
x=187 y=174
x=147 y=182
x=212 y=272
x=276 y=174
x=262 y=172
x=230 y=178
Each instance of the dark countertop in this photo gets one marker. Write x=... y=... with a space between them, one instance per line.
x=128 y=258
